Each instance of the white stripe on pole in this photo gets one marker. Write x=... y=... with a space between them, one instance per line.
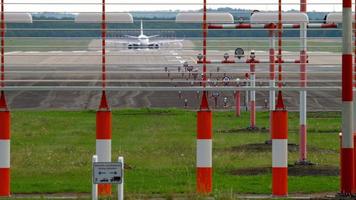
x=103 y=150
x=120 y=187
x=94 y=195
x=347 y=49
x=347 y=124
x=279 y=153
x=253 y=85
x=204 y=153
x=4 y=153
x=303 y=108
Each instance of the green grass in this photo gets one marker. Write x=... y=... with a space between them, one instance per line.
x=52 y=150
x=46 y=44
x=263 y=45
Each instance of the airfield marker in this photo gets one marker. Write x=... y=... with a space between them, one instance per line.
x=4 y=147
x=272 y=76
x=4 y=121
x=204 y=148
x=354 y=106
x=103 y=115
x=252 y=62
x=347 y=154
x=303 y=93
x=103 y=139
x=279 y=129
x=204 y=128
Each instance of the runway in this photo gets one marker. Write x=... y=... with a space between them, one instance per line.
x=136 y=66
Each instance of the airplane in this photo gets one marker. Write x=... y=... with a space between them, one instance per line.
x=143 y=41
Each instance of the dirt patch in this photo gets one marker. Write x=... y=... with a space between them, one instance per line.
x=264 y=147
x=293 y=170
x=246 y=130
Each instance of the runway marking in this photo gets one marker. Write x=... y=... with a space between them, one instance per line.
x=31 y=52
x=12 y=52
x=79 y=51
x=55 y=52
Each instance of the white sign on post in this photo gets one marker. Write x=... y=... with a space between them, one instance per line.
x=107 y=173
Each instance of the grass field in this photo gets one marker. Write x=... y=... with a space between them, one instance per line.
x=263 y=45
x=52 y=150
x=60 y=44
x=46 y=44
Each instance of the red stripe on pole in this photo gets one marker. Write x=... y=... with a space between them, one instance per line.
x=328 y=26
x=204 y=125
x=279 y=124
x=272 y=60
x=240 y=26
x=238 y=103
x=2 y=43
x=347 y=170
x=4 y=182
x=214 y=26
x=103 y=125
x=354 y=181
x=303 y=142
x=204 y=180
x=279 y=181
x=347 y=73
x=347 y=3
x=253 y=114
x=5 y=125
x=303 y=6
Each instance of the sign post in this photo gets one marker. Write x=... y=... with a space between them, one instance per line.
x=108 y=173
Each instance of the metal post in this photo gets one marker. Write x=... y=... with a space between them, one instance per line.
x=94 y=190
x=204 y=128
x=247 y=92
x=280 y=128
x=4 y=121
x=120 y=187
x=303 y=93
x=280 y=149
x=272 y=83
x=253 y=95
x=204 y=148
x=238 y=103
x=103 y=139
x=347 y=154
x=103 y=115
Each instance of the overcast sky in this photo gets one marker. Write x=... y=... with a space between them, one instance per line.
x=124 y=5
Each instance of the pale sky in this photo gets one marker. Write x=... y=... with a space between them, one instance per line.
x=124 y=5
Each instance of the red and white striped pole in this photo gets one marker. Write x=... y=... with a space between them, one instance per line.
x=272 y=77
x=279 y=128
x=204 y=148
x=252 y=94
x=4 y=148
x=347 y=153
x=354 y=96
x=4 y=121
x=103 y=115
x=303 y=93
x=204 y=129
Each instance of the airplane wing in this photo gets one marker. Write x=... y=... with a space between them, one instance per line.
x=166 y=41
x=121 y=41
x=130 y=36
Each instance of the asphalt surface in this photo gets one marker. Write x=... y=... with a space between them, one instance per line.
x=139 y=67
